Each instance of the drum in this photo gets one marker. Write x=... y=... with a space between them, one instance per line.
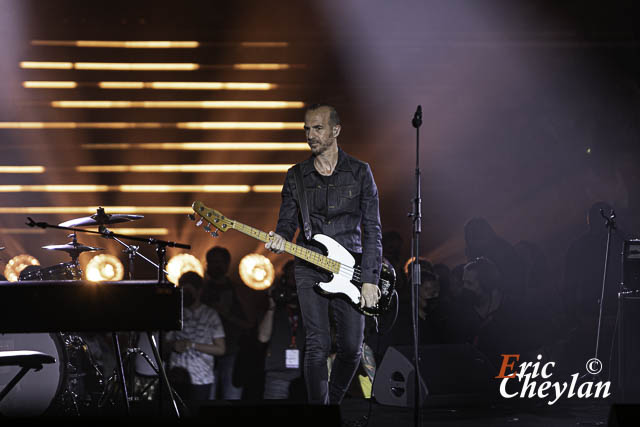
x=70 y=381
x=62 y=271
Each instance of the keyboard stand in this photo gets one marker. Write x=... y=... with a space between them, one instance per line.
x=26 y=360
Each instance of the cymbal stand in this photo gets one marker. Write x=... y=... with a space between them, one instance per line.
x=161 y=247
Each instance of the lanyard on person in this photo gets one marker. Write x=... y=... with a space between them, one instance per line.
x=292 y=354
x=293 y=323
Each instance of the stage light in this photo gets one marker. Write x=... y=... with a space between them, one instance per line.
x=159 y=231
x=241 y=125
x=104 y=267
x=179 y=104
x=151 y=44
x=119 y=44
x=49 y=85
x=152 y=188
x=182 y=263
x=261 y=67
x=149 y=66
x=22 y=169
x=256 y=271
x=185 y=168
x=17 y=264
x=266 y=188
x=151 y=85
x=154 y=125
x=92 y=209
x=200 y=146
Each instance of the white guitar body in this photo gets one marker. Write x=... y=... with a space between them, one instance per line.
x=340 y=283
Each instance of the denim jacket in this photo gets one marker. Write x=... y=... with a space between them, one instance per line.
x=343 y=206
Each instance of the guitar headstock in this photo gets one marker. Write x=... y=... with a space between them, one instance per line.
x=212 y=216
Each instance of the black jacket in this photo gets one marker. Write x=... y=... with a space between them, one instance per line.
x=343 y=206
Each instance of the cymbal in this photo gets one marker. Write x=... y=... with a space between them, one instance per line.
x=72 y=248
x=93 y=220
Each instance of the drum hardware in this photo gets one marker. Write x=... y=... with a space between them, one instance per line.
x=65 y=386
x=74 y=249
x=101 y=218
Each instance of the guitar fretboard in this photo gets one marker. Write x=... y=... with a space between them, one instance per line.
x=291 y=248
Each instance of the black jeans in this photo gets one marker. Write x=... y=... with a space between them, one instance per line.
x=349 y=335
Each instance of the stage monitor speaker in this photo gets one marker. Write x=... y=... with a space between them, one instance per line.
x=629 y=347
x=450 y=374
x=631 y=264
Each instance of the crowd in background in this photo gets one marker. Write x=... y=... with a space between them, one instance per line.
x=503 y=299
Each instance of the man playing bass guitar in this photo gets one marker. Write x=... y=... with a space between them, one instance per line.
x=342 y=202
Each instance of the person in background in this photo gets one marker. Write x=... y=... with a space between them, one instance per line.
x=222 y=294
x=282 y=330
x=193 y=348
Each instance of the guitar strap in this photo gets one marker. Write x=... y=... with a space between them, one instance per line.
x=302 y=201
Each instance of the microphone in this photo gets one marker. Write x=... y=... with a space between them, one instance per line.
x=417 y=117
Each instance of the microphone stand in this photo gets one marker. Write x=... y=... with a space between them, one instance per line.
x=610 y=223
x=415 y=270
x=161 y=249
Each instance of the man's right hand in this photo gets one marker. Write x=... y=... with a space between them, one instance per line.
x=276 y=244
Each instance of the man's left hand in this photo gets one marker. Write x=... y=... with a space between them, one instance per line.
x=369 y=295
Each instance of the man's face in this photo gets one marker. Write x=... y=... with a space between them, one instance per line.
x=320 y=134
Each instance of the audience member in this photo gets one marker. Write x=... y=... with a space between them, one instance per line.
x=482 y=241
x=222 y=294
x=281 y=329
x=193 y=348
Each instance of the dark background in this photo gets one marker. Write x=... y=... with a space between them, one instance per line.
x=530 y=112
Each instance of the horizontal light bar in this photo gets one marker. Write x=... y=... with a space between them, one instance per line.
x=186 y=168
x=22 y=169
x=179 y=104
x=241 y=125
x=126 y=231
x=22 y=231
x=153 y=125
x=202 y=146
x=47 y=65
x=264 y=66
x=267 y=188
x=151 y=85
x=149 y=66
x=119 y=44
x=148 y=44
x=50 y=85
x=93 y=209
x=264 y=44
x=72 y=188
x=159 y=231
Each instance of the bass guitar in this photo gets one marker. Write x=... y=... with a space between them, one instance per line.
x=344 y=269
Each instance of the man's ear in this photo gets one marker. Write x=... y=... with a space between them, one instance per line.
x=336 y=131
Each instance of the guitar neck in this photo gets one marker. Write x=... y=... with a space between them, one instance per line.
x=291 y=248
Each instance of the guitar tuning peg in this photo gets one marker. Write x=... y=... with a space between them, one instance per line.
x=214 y=233
x=191 y=216
x=207 y=227
x=199 y=223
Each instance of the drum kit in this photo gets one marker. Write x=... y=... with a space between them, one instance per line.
x=76 y=384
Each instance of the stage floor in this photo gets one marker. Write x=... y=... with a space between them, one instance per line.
x=355 y=412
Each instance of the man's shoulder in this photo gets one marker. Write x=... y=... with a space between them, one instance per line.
x=353 y=162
